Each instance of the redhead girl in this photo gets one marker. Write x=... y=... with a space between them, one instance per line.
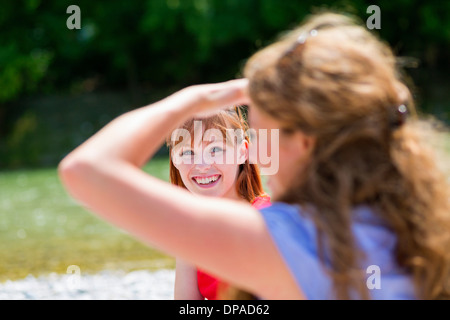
x=358 y=187
x=212 y=159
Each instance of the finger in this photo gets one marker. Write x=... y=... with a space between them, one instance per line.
x=228 y=93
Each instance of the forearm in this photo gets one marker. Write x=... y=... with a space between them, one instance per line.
x=133 y=137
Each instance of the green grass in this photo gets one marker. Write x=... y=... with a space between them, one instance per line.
x=42 y=230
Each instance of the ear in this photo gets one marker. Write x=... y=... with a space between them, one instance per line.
x=243 y=152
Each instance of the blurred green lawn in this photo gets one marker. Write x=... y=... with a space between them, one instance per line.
x=42 y=230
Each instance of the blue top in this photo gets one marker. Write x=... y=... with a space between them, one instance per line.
x=295 y=237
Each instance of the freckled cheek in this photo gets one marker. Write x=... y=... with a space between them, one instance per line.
x=184 y=170
x=220 y=158
x=229 y=172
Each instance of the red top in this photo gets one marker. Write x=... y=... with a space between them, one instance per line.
x=208 y=285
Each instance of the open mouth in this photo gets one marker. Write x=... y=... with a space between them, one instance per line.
x=207 y=181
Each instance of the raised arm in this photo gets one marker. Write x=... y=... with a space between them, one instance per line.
x=224 y=237
x=186 y=282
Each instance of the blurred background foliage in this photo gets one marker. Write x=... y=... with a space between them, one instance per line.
x=59 y=86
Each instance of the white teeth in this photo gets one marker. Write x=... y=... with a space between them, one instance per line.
x=206 y=180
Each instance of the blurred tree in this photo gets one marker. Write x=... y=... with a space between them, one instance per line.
x=147 y=45
x=23 y=61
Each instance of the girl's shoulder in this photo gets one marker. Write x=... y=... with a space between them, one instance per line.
x=296 y=238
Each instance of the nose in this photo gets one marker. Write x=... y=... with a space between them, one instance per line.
x=202 y=164
x=202 y=167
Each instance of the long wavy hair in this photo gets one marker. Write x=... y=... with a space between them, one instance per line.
x=334 y=80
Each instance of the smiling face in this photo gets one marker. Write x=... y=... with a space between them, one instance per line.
x=207 y=164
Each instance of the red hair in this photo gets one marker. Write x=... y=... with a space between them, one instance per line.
x=248 y=182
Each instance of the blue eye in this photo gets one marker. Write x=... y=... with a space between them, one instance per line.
x=216 y=149
x=187 y=153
